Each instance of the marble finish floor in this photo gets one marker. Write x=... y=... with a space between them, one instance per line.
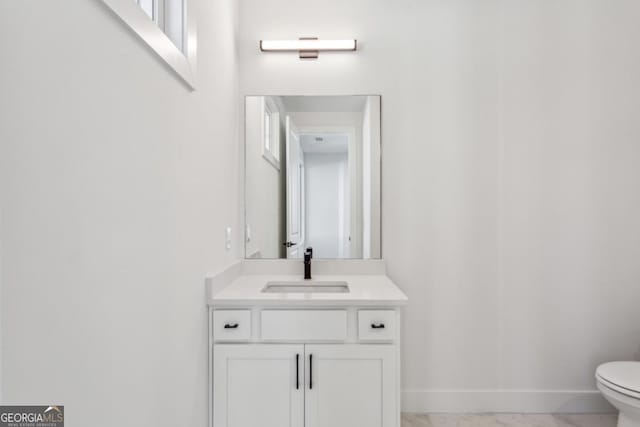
x=508 y=420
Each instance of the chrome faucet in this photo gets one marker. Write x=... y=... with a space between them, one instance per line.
x=307 y=263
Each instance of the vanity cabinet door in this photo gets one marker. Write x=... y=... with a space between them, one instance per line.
x=351 y=385
x=258 y=385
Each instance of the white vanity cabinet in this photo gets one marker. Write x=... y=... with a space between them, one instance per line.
x=305 y=367
x=351 y=385
x=255 y=385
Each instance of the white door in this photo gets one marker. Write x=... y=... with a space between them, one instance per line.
x=258 y=385
x=295 y=193
x=351 y=385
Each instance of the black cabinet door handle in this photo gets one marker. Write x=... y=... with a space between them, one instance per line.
x=297 y=372
x=377 y=326
x=311 y=372
x=231 y=326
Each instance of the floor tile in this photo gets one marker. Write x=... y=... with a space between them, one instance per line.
x=415 y=420
x=586 y=420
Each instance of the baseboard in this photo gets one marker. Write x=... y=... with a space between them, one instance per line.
x=510 y=401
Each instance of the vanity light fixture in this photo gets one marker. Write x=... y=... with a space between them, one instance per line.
x=308 y=47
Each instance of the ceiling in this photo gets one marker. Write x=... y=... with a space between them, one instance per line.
x=331 y=143
x=315 y=104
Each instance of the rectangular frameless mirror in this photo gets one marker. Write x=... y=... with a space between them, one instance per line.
x=312 y=176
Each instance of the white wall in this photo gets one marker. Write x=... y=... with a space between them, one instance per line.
x=511 y=210
x=326 y=193
x=371 y=178
x=263 y=190
x=366 y=180
x=116 y=184
x=1 y=348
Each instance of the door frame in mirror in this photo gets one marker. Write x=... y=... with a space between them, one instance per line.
x=353 y=213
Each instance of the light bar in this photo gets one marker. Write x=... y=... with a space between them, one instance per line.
x=307 y=47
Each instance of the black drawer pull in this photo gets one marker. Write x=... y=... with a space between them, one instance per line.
x=377 y=326
x=231 y=326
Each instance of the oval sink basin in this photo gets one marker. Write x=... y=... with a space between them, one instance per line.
x=306 y=287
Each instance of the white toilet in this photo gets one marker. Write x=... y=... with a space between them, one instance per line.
x=619 y=383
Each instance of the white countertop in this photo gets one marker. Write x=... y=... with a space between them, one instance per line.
x=364 y=290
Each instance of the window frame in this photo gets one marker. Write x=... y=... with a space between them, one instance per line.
x=272 y=153
x=182 y=62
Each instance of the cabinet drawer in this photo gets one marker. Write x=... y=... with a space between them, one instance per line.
x=304 y=325
x=232 y=325
x=376 y=325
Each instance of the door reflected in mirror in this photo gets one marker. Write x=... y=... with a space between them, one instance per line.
x=312 y=176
